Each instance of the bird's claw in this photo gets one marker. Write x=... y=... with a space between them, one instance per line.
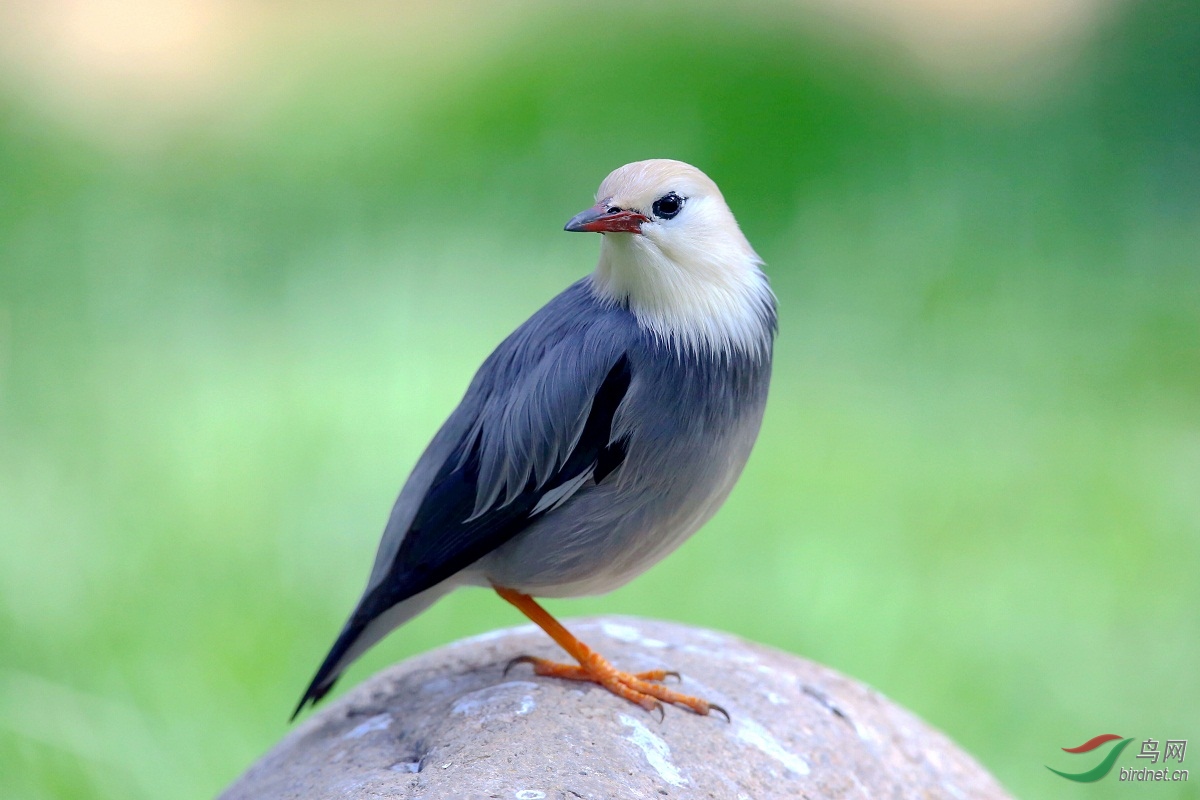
x=646 y=689
x=519 y=660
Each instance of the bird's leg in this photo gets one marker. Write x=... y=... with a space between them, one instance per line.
x=643 y=688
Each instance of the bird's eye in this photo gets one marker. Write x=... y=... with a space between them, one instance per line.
x=668 y=205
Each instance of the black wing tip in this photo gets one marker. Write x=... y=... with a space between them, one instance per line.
x=331 y=668
x=313 y=695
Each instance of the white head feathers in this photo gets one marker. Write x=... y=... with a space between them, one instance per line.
x=688 y=274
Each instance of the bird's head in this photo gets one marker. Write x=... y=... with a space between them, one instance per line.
x=674 y=253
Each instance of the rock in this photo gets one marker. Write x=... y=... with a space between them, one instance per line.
x=450 y=724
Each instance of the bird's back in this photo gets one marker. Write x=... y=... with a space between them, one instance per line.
x=687 y=423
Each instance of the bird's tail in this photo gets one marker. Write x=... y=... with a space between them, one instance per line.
x=377 y=615
x=333 y=665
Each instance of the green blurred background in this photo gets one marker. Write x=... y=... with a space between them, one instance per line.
x=250 y=255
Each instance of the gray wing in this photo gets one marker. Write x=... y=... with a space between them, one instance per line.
x=534 y=427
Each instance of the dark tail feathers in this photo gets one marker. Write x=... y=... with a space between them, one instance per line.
x=330 y=670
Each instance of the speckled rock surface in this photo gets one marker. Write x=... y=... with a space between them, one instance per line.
x=449 y=724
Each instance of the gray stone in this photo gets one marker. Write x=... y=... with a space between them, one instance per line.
x=450 y=724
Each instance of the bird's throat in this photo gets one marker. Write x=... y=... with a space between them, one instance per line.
x=711 y=302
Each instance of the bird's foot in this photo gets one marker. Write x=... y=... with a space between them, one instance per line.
x=643 y=688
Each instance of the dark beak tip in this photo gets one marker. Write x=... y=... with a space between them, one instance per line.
x=582 y=222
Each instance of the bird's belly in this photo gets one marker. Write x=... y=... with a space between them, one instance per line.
x=608 y=534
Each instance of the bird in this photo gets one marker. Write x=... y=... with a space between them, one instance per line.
x=596 y=438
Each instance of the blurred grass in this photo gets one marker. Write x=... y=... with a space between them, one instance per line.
x=976 y=488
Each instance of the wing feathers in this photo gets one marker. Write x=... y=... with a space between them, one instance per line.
x=451 y=531
x=561 y=494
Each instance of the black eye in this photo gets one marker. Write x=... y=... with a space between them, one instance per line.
x=668 y=205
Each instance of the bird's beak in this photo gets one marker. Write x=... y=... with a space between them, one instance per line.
x=601 y=218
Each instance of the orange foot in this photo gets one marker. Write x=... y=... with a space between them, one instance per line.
x=643 y=688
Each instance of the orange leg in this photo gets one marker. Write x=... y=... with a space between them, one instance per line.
x=643 y=688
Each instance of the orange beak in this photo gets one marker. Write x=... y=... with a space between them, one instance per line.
x=603 y=218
